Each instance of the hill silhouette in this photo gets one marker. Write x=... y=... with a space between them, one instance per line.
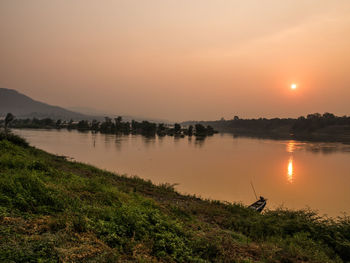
x=23 y=106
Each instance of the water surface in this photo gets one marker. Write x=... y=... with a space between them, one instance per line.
x=289 y=173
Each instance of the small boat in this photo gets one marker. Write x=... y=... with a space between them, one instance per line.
x=259 y=205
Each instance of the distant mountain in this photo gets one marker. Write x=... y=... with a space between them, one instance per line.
x=23 y=106
x=89 y=111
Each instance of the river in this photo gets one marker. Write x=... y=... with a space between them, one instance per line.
x=291 y=174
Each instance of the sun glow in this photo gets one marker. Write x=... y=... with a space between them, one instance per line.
x=293 y=86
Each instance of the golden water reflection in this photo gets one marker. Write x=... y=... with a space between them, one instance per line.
x=291 y=145
x=290 y=170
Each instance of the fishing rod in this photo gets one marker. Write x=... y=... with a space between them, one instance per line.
x=251 y=183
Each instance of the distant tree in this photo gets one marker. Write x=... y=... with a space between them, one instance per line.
x=48 y=122
x=190 y=130
x=95 y=125
x=161 y=129
x=235 y=118
x=70 y=124
x=126 y=127
x=118 y=119
x=119 y=126
x=177 y=128
x=108 y=120
x=200 y=130
x=107 y=126
x=210 y=130
x=314 y=116
x=58 y=123
x=328 y=115
x=83 y=125
x=134 y=126
x=148 y=128
x=8 y=119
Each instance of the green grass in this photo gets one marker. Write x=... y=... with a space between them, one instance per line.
x=53 y=210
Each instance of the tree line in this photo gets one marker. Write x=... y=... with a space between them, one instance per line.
x=325 y=126
x=114 y=126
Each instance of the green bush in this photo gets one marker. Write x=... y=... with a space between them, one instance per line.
x=27 y=193
x=13 y=138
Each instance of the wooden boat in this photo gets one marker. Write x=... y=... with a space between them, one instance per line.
x=259 y=205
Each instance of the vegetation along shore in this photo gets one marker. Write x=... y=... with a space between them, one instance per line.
x=314 y=127
x=54 y=210
x=115 y=126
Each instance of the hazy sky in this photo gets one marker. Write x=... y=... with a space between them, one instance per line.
x=180 y=59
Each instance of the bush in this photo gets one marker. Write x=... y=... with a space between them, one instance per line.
x=14 y=139
x=27 y=193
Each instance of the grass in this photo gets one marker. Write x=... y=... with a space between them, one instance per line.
x=54 y=210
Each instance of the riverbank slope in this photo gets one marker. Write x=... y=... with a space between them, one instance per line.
x=54 y=210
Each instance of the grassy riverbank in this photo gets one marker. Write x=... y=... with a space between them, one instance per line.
x=54 y=210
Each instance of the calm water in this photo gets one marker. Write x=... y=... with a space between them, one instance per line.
x=289 y=173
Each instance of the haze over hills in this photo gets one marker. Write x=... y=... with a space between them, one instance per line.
x=23 y=106
x=96 y=112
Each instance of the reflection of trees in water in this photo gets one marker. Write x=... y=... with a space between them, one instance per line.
x=93 y=137
x=312 y=147
x=291 y=146
x=327 y=149
x=199 y=141
x=160 y=140
x=119 y=141
x=323 y=148
x=177 y=139
x=189 y=140
x=81 y=131
x=148 y=140
x=108 y=139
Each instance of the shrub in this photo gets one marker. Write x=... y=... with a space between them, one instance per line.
x=14 y=139
x=27 y=193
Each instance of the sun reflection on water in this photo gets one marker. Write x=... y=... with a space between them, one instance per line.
x=291 y=146
x=290 y=170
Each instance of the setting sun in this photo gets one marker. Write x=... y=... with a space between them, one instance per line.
x=293 y=86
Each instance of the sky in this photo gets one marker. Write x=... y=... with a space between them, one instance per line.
x=179 y=59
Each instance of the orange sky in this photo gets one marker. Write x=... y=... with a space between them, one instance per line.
x=180 y=59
